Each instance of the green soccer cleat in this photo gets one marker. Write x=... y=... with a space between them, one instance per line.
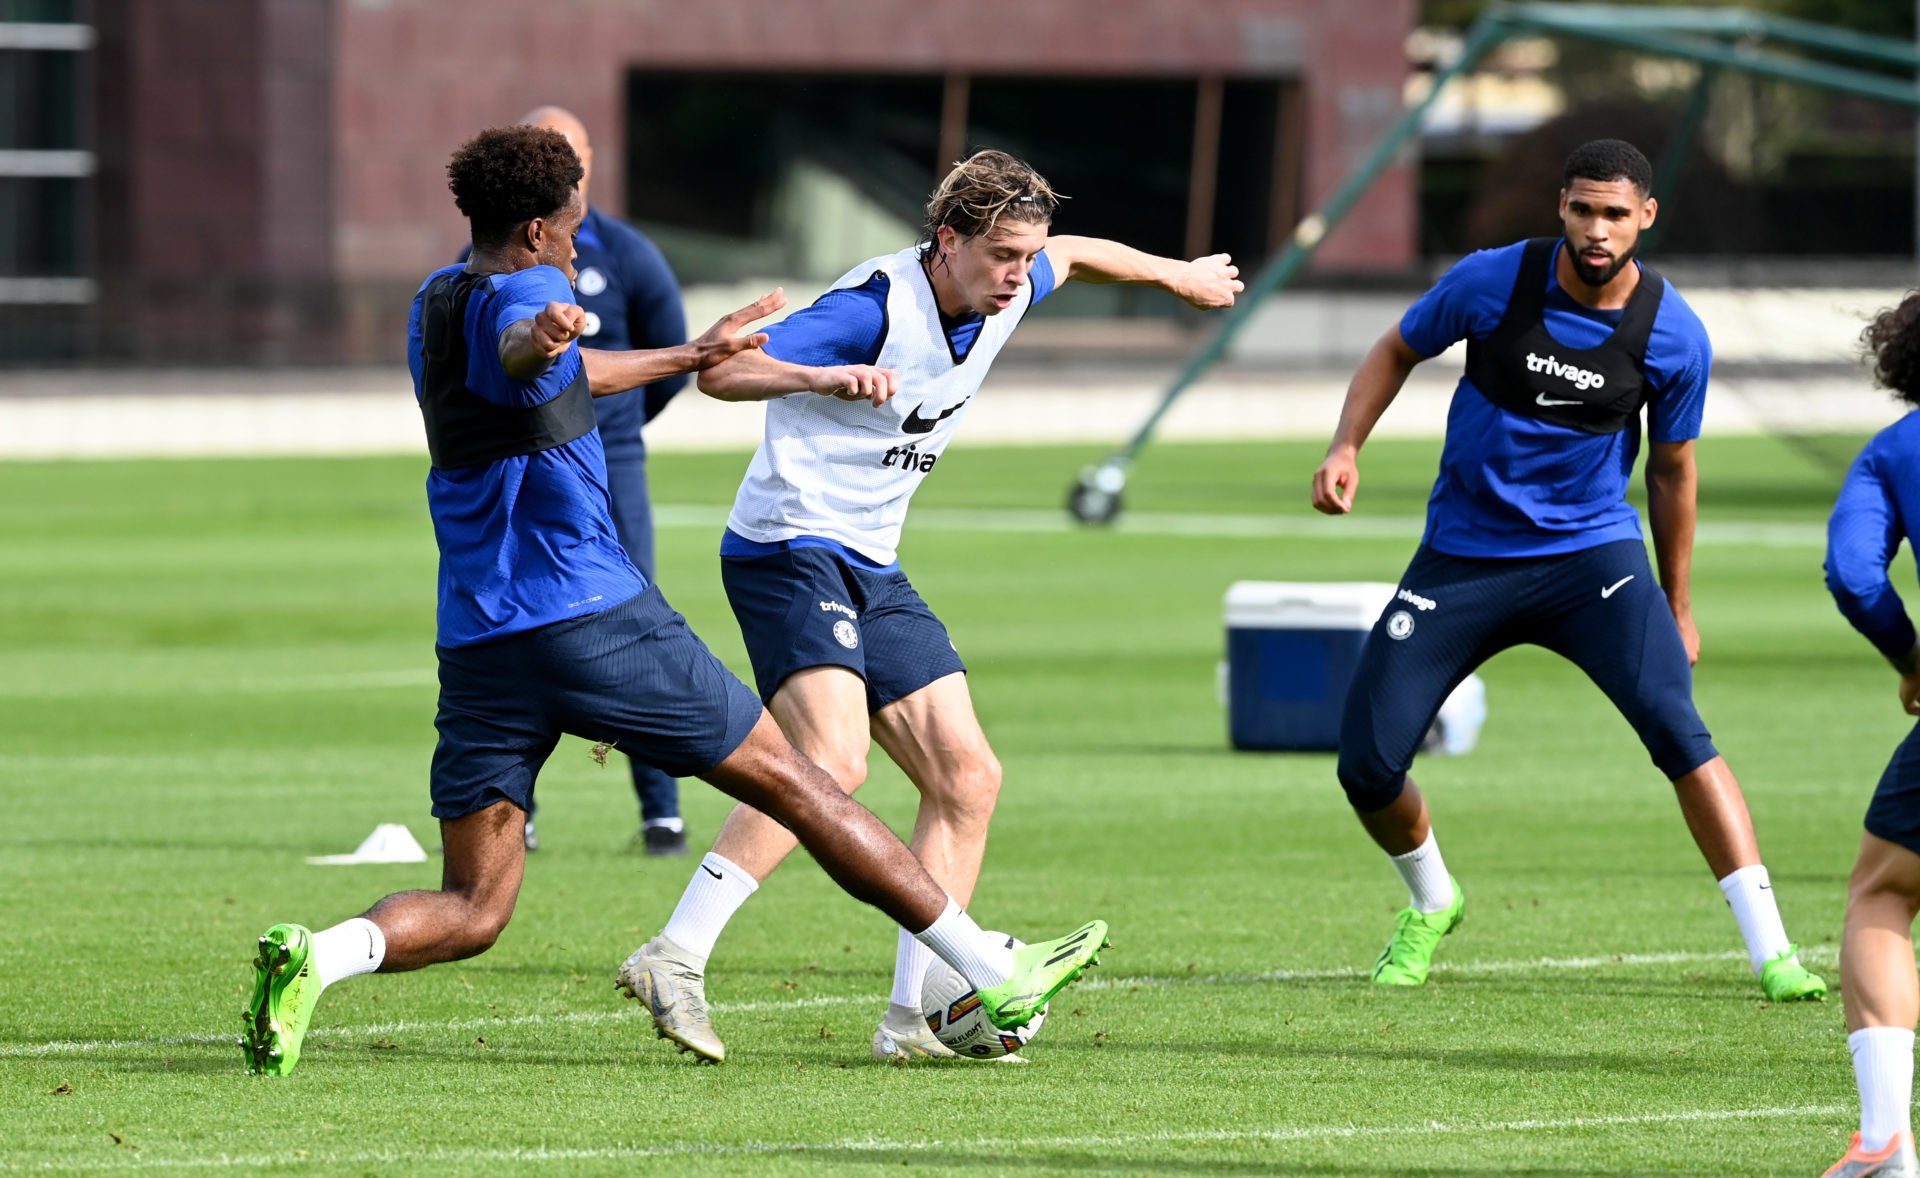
x=1409 y=955
x=1039 y=972
x=284 y=993
x=1786 y=980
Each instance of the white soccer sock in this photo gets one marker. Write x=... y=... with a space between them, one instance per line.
x=677 y=825
x=1429 y=887
x=718 y=888
x=1750 y=895
x=958 y=941
x=1883 y=1068
x=351 y=947
x=910 y=962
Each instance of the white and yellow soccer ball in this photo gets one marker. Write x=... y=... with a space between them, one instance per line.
x=956 y=1018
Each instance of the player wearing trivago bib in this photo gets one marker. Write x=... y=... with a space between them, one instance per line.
x=546 y=627
x=1877 y=512
x=844 y=650
x=1530 y=539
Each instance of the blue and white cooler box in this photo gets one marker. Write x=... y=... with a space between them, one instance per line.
x=1292 y=647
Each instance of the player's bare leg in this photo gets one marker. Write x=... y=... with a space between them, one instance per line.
x=1404 y=830
x=855 y=848
x=936 y=739
x=823 y=712
x=1716 y=813
x=1882 y=998
x=485 y=858
x=485 y=854
x=1402 y=824
x=865 y=859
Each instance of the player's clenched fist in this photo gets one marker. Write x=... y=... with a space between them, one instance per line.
x=857 y=382
x=1210 y=282
x=555 y=326
x=1335 y=482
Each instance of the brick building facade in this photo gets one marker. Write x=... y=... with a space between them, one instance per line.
x=271 y=182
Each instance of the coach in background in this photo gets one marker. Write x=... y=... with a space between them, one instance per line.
x=632 y=301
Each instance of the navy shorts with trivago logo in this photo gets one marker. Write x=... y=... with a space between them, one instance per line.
x=1600 y=608
x=634 y=676
x=812 y=607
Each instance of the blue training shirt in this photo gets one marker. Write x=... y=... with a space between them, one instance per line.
x=847 y=326
x=632 y=300
x=1513 y=486
x=527 y=541
x=1881 y=493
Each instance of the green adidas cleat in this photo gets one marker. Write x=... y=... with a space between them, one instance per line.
x=1786 y=980
x=1409 y=955
x=1040 y=971
x=284 y=993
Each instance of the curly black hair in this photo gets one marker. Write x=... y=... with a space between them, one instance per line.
x=1607 y=160
x=506 y=176
x=1892 y=342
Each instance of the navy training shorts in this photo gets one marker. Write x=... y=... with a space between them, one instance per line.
x=635 y=676
x=1894 y=813
x=1600 y=608
x=812 y=607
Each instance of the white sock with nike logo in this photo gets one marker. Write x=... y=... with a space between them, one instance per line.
x=1750 y=894
x=718 y=887
x=351 y=947
x=1429 y=887
x=958 y=941
x=1883 y=1068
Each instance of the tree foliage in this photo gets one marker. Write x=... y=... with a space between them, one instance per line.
x=1891 y=18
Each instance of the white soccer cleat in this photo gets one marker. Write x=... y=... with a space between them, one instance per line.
x=662 y=976
x=1897 y=1160
x=912 y=1044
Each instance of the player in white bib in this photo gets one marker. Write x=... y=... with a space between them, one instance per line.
x=864 y=390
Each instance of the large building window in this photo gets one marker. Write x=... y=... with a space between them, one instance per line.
x=46 y=161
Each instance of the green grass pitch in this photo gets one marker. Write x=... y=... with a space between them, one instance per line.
x=209 y=670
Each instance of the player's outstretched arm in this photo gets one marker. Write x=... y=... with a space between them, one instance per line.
x=756 y=376
x=1375 y=384
x=1207 y=283
x=1672 y=489
x=616 y=372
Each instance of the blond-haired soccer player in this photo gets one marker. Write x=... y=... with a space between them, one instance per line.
x=844 y=650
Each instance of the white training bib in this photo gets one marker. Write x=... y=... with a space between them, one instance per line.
x=845 y=470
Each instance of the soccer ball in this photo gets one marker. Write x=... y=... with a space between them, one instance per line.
x=957 y=1019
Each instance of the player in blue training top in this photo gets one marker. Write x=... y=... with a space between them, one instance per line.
x=546 y=627
x=632 y=300
x=844 y=650
x=1875 y=513
x=1530 y=540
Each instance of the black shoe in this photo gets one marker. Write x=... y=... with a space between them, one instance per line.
x=663 y=840
x=533 y=839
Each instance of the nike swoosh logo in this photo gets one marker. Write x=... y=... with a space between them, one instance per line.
x=916 y=424
x=711 y=871
x=1608 y=591
x=1550 y=402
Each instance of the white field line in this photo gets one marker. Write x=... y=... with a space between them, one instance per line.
x=966 y=1147
x=821 y=1001
x=1360 y=526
